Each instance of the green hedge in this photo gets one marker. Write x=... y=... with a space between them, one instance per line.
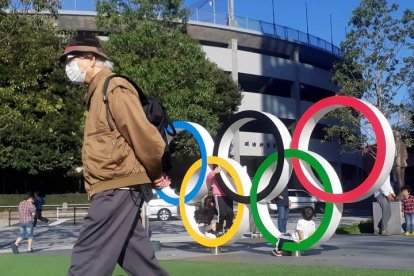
x=363 y=227
x=54 y=199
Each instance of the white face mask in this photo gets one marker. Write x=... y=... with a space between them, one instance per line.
x=74 y=73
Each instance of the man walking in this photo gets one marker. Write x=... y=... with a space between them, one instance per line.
x=38 y=203
x=120 y=167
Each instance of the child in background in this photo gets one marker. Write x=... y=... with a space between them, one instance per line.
x=205 y=217
x=407 y=208
x=304 y=228
x=26 y=213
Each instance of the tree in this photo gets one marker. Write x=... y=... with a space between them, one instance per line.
x=377 y=67
x=40 y=112
x=148 y=42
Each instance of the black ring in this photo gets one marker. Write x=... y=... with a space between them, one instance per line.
x=268 y=124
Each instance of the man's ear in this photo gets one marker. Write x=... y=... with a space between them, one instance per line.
x=93 y=60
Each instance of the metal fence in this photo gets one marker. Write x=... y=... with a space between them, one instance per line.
x=264 y=27
x=202 y=15
x=64 y=211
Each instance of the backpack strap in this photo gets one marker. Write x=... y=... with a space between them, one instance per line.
x=142 y=97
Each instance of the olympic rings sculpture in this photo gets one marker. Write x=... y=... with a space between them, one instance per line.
x=292 y=153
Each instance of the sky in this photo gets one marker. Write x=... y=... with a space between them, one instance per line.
x=289 y=13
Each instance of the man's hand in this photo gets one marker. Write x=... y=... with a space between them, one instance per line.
x=162 y=182
x=391 y=197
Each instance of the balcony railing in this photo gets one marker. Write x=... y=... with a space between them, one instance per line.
x=263 y=27
x=202 y=15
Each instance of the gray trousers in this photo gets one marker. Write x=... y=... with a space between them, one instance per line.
x=112 y=233
x=385 y=205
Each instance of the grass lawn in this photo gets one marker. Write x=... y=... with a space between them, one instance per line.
x=23 y=264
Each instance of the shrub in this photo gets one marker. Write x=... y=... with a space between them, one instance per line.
x=363 y=227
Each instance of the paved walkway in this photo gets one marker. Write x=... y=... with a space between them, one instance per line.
x=362 y=251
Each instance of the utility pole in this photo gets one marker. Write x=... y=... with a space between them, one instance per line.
x=330 y=19
x=213 y=4
x=232 y=22
x=307 y=24
x=273 y=10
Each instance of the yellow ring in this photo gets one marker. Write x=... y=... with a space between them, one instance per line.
x=240 y=207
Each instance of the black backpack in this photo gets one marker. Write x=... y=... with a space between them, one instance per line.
x=156 y=115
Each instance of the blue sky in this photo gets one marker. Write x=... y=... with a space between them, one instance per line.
x=289 y=13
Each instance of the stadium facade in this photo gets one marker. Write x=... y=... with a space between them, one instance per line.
x=280 y=71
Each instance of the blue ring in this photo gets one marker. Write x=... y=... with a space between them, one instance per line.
x=202 y=147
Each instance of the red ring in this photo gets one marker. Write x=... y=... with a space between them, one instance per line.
x=357 y=192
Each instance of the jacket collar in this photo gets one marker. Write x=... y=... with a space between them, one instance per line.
x=94 y=83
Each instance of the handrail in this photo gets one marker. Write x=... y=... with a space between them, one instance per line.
x=48 y=205
x=202 y=15
x=74 y=206
x=267 y=28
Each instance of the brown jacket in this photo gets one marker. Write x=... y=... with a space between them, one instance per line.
x=129 y=155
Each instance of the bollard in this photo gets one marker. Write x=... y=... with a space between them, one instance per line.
x=295 y=253
x=215 y=250
x=156 y=245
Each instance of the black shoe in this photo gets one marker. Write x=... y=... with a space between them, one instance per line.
x=30 y=250
x=219 y=233
x=15 y=248
x=277 y=253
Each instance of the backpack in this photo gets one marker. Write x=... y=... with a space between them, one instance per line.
x=156 y=115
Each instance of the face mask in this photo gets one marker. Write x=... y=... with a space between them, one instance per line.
x=74 y=73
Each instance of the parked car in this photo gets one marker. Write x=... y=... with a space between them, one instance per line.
x=299 y=199
x=160 y=209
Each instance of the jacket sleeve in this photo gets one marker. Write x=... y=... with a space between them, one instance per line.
x=140 y=134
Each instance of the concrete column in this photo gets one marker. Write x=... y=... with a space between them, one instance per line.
x=295 y=88
x=233 y=45
x=235 y=76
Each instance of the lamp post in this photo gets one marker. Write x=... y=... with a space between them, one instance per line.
x=79 y=171
x=231 y=13
x=213 y=4
x=273 y=11
x=307 y=24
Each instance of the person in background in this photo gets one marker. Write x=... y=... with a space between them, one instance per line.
x=400 y=161
x=283 y=205
x=39 y=202
x=224 y=204
x=383 y=196
x=205 y=218
x=407 y=208
x=304 y=229
x=26 y=213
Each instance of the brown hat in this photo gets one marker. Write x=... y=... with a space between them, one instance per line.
x=81 y=44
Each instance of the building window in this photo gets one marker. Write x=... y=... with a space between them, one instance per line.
x=265 y=85
x=313 y=94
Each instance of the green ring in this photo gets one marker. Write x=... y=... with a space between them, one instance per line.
x=327 y=217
